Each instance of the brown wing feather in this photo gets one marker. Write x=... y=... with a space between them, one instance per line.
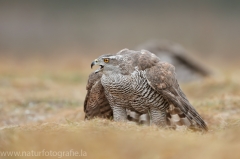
x=96 y=104
x=161 y=77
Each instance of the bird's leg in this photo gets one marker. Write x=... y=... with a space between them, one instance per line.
x=158 y=117
x=119 y=113
x=144 y=119
x=132 y=116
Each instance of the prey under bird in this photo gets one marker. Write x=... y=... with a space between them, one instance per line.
x=139 y=81
x=187 y=67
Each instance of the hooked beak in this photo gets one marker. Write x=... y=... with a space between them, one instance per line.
x=95 y=62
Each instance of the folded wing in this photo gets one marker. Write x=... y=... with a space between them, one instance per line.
x=162 y=78
x=96 y=103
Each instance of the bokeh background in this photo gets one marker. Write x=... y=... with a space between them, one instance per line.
x=211 y=28
x=47 y=46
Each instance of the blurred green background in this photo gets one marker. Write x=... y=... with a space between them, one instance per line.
x=210 y=28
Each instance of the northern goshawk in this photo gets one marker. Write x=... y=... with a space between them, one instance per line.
x=139 y=81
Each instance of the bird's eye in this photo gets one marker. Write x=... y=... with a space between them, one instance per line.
x=106 y=60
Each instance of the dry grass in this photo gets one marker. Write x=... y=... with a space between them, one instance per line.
x=41 y=109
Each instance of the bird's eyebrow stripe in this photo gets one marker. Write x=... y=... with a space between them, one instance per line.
x=112 y=57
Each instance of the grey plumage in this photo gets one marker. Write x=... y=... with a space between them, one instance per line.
x=138 y=81
x=187 y=68
x=96 y=104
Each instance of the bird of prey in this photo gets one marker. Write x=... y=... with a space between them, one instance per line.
x=97 y=105
x=139 y=81
x=187 y=68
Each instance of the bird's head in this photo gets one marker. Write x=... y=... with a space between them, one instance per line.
x=106 y=63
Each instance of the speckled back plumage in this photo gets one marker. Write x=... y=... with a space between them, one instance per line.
x=139 y=81
x=188 y=68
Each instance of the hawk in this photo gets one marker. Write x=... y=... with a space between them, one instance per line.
x=139 y=81
x=97 y=105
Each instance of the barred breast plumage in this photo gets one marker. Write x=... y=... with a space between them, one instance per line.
x=140 y=82
x=134 y=93
x=96 y=104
